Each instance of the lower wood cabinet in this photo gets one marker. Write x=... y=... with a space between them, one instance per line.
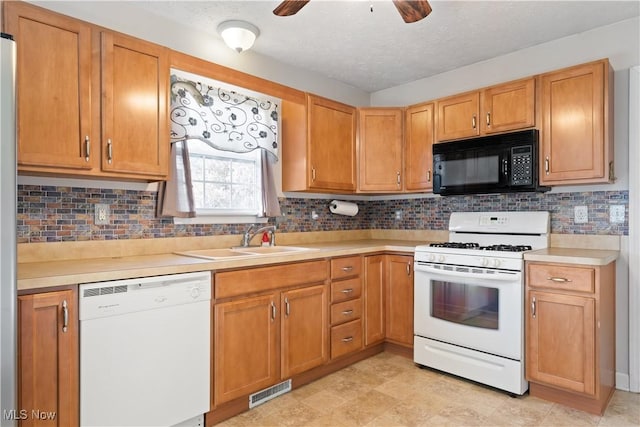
x=570 y=334
x=260 y=340
x=399 y=299
x=388 y=299
x=48 y=358
x=346 y=305
x=374 y=296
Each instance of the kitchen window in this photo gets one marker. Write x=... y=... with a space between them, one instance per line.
x=224 y=149
x=225 y=183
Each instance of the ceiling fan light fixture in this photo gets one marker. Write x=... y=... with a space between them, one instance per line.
x=238 y=35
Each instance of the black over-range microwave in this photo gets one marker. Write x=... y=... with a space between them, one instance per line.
x=502 y=163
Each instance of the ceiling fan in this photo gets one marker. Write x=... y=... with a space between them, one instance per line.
x=410 y=10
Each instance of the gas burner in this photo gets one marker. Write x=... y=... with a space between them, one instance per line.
x=506 y=248
x=455 y=245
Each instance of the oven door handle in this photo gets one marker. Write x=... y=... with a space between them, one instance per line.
x=502 y=276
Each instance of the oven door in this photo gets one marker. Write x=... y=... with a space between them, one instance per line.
x=480 y=310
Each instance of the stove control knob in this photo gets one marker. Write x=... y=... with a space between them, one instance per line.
x=485 y=262
x=441 y=258
x=496 y=263
x=432 y=257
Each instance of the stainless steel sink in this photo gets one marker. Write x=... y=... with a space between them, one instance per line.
x=263 y=250
x=238 y=252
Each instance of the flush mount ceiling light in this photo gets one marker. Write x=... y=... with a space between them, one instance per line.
x=238 y=35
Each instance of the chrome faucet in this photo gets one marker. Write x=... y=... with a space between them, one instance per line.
x=250 y=234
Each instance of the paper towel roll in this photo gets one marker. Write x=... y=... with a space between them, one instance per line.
x=343 y=208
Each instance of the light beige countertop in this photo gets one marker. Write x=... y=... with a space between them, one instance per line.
x=593 y=257
x=43 y=274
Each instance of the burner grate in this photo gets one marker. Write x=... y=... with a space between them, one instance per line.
x=455 y=245
x=506 y=248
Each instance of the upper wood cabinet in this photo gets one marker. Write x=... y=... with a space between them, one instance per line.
x=576 y=141
x=90 y=102
x=458 y=116
x=499 y=108
x=418 y=141
x=53 y=90
x=508 y=106
x=135 y=77
x=318 y=146
x=380 y=148
x=332 y=144
x=48 y=357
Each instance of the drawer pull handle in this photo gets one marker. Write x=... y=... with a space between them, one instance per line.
x=559 y=279
x=533 y=307
x=65 y=316
x=347 y=268
x=347 y=312
x=347 y=291
x=347 y=339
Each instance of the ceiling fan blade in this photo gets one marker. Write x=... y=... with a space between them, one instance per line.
x=412 y=11
x=289 y=7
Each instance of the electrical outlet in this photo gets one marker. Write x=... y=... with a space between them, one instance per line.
x=101 y=214
x=398 y=215
x=616 y=213
x=580 y=214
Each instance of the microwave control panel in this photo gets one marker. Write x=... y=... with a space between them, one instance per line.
x=521 y=165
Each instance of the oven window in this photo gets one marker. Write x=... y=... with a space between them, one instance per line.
x=468 y=305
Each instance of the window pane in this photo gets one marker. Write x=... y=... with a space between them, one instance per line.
x=226 y=181
x=218 y=170
x=244 y=196
x=244 y=172
x=197 y=167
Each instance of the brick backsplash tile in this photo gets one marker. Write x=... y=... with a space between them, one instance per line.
x=57 y=214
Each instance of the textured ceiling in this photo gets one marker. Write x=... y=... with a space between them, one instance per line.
x=367 y=45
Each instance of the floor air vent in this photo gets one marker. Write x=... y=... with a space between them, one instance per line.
x=269 y=393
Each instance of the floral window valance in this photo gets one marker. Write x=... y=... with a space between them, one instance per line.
x=224 y=119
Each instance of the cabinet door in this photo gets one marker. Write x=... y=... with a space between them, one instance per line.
x=418 y=155
x=574 y=141
x=305 y=326
x=560 y=341
x=53 y=89
x=458 y=116
x=135 y=136
x=332 y=148
x=399 y=301
x=380 y=149
x=374 y=291
x=509 y=106
x=48 y=358
x=245 y=346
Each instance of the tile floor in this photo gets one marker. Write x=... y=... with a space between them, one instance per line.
x=389 y=390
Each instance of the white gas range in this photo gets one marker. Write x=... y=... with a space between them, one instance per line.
x=469 y=296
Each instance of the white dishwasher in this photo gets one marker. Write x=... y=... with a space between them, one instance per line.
x=145 y=350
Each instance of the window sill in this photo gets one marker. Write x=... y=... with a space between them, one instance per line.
x=219 y=219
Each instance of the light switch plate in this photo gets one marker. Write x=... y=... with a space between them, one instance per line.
x=101 y=214
x=616 y=214
x=580 y=214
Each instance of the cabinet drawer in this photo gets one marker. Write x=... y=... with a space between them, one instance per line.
x=262 y=279
x=346 y=289
x=557 y=276
x=346 y=267
x=346 y=311
x=346 y=338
